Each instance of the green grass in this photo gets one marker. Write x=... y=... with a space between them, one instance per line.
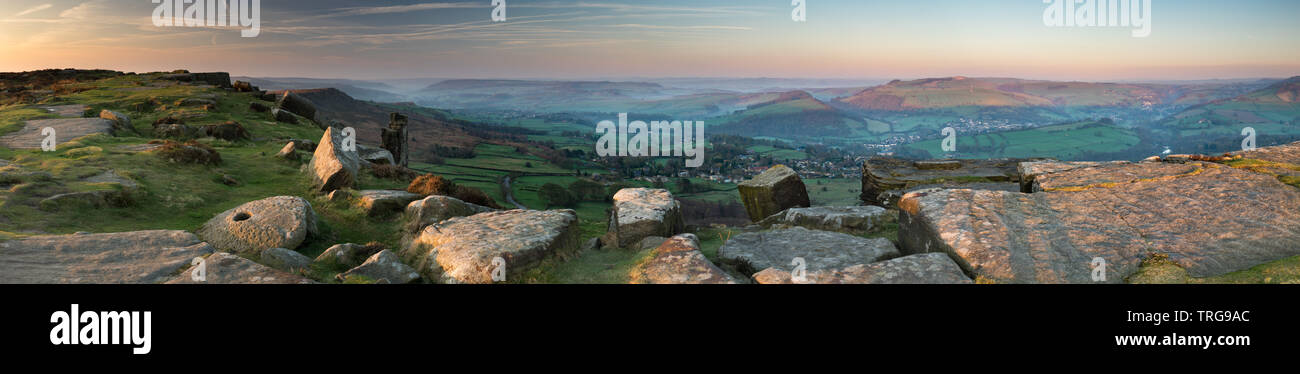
x=1159 y=270
x=834 y=192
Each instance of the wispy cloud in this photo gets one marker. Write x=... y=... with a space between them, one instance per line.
x=34 y=9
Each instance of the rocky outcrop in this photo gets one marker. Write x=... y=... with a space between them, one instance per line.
x=856 y=220
x=642 y=212
x=819 y=250
x=121 y=122
x=125 y=257
x=230 y=130
x=280 y=115
x=679 y=261
x=374 y=156
x=285 y=259
x=928 y=268
x=296 y=104
x=885 y=179
x=1208 y=218
x=379 y=203
x=346 y=255
x=1029 y=171
x=225 y=268
x=437 y=208
x=395 y=139
x=777 y=189
x=384 y=267
x=331 y=166
x=65 y=129
x=289 y=152
x=470 y=249
x=1287 y=154
x=275 y=222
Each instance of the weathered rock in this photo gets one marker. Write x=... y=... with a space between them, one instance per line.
x=374 y=155
x=118 y=198
x=679 y=261
x=1287 y=154
x=395 y=139
x=125 y=257
x=1029 y=171
x=296 y=104
x=121 y=122
x=591 y=244
x=230 y=130
x=820 y=250
x=242 y=86
x=1209 y=219
x=67 y=111
x=383 y=267
x=225 y=268
x=642 y=212
x=777 y=189
x=650 y=242
x=928 y=268
x=378 y=203
x=304 y=145
x=289 y=152
x=846 y=219
x=466 y=249
x=285 y=259
x=346 y=255
x=194 y=101
x=284 y=116
x=173 y=131
x=885 y=179
x=274 y=222
x=331 y=166
x=219 y=79
x=65 y=129
x=438 y=208
x=258 y=107
x=340 y=196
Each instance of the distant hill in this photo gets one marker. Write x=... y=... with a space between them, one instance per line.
x=362 y=90
x=1275 y=104
x=789 y=115
x=369 y=119
x=937 y=93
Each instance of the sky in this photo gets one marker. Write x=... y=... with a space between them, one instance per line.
x=589 y=39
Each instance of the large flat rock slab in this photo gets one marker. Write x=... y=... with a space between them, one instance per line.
x=819 y=250
x=1208 y=218
x=67 y=111
x=679 y=261
x=926 y=268
x=116 y=258
x=1288 y=153
x=466 y=249
x=885 y=179
x=65 y=129
x=846 y=219
x=225 y=268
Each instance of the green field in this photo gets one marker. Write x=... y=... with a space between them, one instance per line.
x=1063 y=142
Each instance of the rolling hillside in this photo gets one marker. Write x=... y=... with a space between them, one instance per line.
x=791 y=115
x=1273 y=110
x=937 y=93
x=369 y=119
